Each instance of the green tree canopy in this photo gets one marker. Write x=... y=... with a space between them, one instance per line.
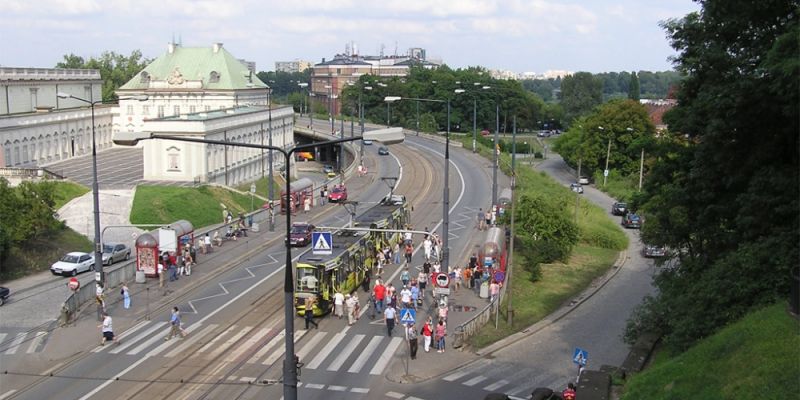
x=580 y=93
x=633 y=88
x=115 y=69
x=723 y=193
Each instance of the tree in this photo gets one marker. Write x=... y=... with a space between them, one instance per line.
x=580 y=93
x=633 y=88
x=115 y=69
x=723 y=193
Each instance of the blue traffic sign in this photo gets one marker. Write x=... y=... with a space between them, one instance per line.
x=408 y=316
x=322 y=242
x=580 y=357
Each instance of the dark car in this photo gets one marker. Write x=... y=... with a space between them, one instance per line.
x=631 y=221
x=653 y=251
x=383 y=150
x=339 y=193
x=4 y=294
x=619 y=208
x=300 y=234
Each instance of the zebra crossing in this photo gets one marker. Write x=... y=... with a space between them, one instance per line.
x=319 y=350
x=19 y=343
x=515 y=380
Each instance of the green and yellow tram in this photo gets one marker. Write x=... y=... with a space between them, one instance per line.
x=352 y=256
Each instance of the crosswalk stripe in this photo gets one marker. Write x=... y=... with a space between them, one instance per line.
x=228 y=343
x=365 y=354
x=386 y=356
x=474 y=381
x=345 y=353
x=254 y=338
x=496 y=385
x=303 y=352
x=156 y=326
x=279 y=351
x=125 y=334
x=325 y=352
x=152 y=339
x=213 y=341
x=464 y=371
x=10 y=392
x=523 y=388
x=2 y=338
x=37 y=340
x=272 y=342
x=16 y=343
x=193 y=337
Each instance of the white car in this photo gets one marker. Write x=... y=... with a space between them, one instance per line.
x=72 y=264
x=583 y=180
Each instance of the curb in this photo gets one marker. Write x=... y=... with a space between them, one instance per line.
x=558 y=314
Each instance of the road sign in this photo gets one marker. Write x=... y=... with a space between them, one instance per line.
x=442 y=280
x=252 y=188
x=499 y=275
x=74 y=284
x=323 y=242
x=605 y=172
x=437 y=291
x=408 y=316
x=580 y=357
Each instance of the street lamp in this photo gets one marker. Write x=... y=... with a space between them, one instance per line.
x=303 y=85
x=641 y=162
x=475 y=116
x=446 y=190
x=271 y=182
x=98 y=246
x=330 y=107
x=289 y=365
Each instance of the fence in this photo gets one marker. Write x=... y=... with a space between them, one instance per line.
x=469 y=328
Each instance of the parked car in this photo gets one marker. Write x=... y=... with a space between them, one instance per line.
x=113 y=252
x=383 y=151
x=653 y=251
x=619 y=208
x=631 y=221
x=4 y=294
x=583 y=180
x=73 y=263
x=339 y=193
x=543 y=134
x=300 y=233
x=576 y=187
x=366 y=142
x=327 y=169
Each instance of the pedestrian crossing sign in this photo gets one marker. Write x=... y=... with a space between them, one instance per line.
x=408 y=316
x=323 y=242
x=580 y=356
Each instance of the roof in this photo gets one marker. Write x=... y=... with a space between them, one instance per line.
x=343 y=61
x=186 y=64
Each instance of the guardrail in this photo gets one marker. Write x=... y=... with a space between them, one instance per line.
x=469 y=328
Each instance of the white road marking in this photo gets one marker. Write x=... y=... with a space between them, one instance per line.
x=365 y=354
x=279 y=352
x=395 y=395
x=272 y=342
x=386 y=356
x=337 y=388
x=359 y=390
x=228 y=343
x=16 y=343
x=476 y=380
x=193 y=337
x=147 y=343
x=496 y=385
x=213 y=341
x=37 y=340
x=314 y=386
x=247 y=345
x=123 y=346
x=302 y=353
x=8 y=394
x=125 y=334
x=323 y=354
x=345 y=353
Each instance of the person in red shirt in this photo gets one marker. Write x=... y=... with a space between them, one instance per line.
x=569 y=392
x=380 y=294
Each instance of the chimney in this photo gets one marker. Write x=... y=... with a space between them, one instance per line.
x=216 y=47
x=323 y=59
x=171 y=48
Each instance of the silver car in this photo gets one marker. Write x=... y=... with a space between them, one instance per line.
x=113 y=252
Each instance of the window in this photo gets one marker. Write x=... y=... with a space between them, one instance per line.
x=145 y=111
x=160 y=111
x=8 y=156
x=25 y=154
x=87 y=93
x=173 y=159
x=34 y=98
x=208 y=108
x=191 y=109
x=129 y=110
x=176 y=110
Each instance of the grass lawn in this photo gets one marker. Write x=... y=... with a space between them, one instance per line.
x=757 y=357
x=559 y=283
x=262 y=189
x=617 y=186
x=24 y=261
x=201 y=206
x=65 y=191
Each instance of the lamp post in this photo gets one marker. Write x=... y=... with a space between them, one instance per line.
x=303 y=85
x=271 y=182
x=98 y=245
x=289 y=363
x=446 y=189
x=496 y=153
x=475 y=117
x=330 y=107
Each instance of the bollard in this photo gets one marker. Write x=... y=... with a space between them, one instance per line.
x=458 y=337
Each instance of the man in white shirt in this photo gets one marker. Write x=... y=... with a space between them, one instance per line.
x=108 y=330
x=338 y=304
x=405 y=297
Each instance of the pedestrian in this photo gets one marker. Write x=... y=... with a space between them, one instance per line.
x=207 y=244
x=407 y=237
x=405 y=276
x=365 y=281
x=396 y=253
x=356 y=306
x=405 y=297
x=338 y=304
x=414 y=294
x=306 y=204
x=160 y=273
x=459 y=278
x=381 y=261
x=468 y=277
x=188 y=259
x=173 y=268
x=126 y=296
x=379 y=291
x=411 y=336
x=107 y=330
x=390 y=317
x=427 y=333
x=323 y=195
x=494 y=290
x=443 y=308
x=569 y=392
x=372 y=305
x=175 y=327
x=427 y=246
x=350 y=308
x=441 y=332
x=487 y=219
x=309 y=313
x=422 y=279
x=409 y=250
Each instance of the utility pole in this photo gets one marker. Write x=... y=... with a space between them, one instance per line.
x=608 y=154
x=496 y=156
x=510 y=266
x=641 y=170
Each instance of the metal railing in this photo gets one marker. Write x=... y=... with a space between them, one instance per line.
x=471 y=326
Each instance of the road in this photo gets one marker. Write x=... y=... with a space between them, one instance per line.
x=236 y=320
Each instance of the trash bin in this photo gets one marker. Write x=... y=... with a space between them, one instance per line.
x=140 y=277
x=484 y=294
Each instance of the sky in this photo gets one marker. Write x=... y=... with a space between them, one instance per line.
x=516 y=35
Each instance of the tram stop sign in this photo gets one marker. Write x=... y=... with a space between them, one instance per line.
x=442 y=280
x=73 y=284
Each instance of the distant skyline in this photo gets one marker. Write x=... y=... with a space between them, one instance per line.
x=515 y=35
